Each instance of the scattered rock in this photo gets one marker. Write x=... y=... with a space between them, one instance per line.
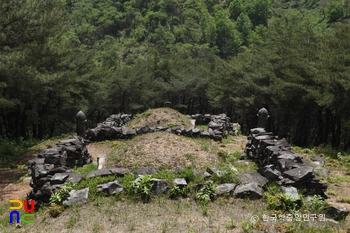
x=250 y=190
x=160 y=186
x=77 y=196
x=299 y=174
x=145 y=171
x=118 y=171
x=181 y=182
x=249 y=177
x=224 y=188
x=337 y=213
x=110 y=188
x=322 y=172
x=217 y=171
x=292 y=192
x=101 y=172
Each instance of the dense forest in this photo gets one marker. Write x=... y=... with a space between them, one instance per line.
x=204 y=56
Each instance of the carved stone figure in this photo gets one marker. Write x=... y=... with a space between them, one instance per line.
x=80 y=120
x=263 y=114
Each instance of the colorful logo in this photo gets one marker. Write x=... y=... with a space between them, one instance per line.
x=28 y=208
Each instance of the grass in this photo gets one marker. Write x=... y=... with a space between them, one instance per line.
x=126 y=213
x=164 y=149
x=165 y=117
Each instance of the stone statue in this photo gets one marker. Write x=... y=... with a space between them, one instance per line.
x=263 y=114
x=80 y=120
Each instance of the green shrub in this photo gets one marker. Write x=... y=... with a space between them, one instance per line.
x=206 y=193
x=176 y=192
x=281 y=202
x=142 y=186
x=317 y=204
x=59 y=197
x=92 y=184
x=85 y=169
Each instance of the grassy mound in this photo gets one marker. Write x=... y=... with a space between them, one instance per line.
x=164 y=149
x=165 y=117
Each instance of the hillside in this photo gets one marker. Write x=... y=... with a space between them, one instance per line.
x=127 y=56
x=161 y=117
x=226 y=214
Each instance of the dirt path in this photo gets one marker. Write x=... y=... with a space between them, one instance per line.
x=10 y=188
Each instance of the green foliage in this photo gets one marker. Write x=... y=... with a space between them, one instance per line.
x=335 y=11
x=207 y=193
x=142 y=186
x=317 y=204
x=92 y=184
x=199 y=55
x=85 y=169
x=281 y=202
x=63 y=194
x=228 y=176
x=188 y=174
x=247 y=226
x=176 y=192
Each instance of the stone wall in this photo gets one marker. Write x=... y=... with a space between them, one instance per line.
x=52 y=168
x=279 y=164
x=114 y=128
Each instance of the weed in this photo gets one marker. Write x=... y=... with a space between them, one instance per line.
x=60 y=196
x=273 y=188
x=190 y=156
x=55 y=210
x=223 y=154
x=231 y=224
x=85 y=169
x=228 y=175
x=97 y=227
x=317 y=204
x=92 y=183
x=247 y=226
x=206 y=193
x=344 y=200
x=131 y=225
x=142 y=186
x=280 y=201
x=188 y=174
x=71 y=222
x=285 y=227
x=237 y=154
x=332 y=193
x=176 y=192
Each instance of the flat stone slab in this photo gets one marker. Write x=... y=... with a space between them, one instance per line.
x=292 y=192
x=77 y=196
x=225 y=188
x=74 y=178
x=181 y=182
x=119 y=171
x=217 y=171
x=100 y=172
x=160 y=186
x=250 y=190
x=337 y=213
x=322 y=171
x=145 y=171
x=59 y=178
x=110 y=188
x=270 y=172
x=299 y=174
x=249 y=177
x=317 y=161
